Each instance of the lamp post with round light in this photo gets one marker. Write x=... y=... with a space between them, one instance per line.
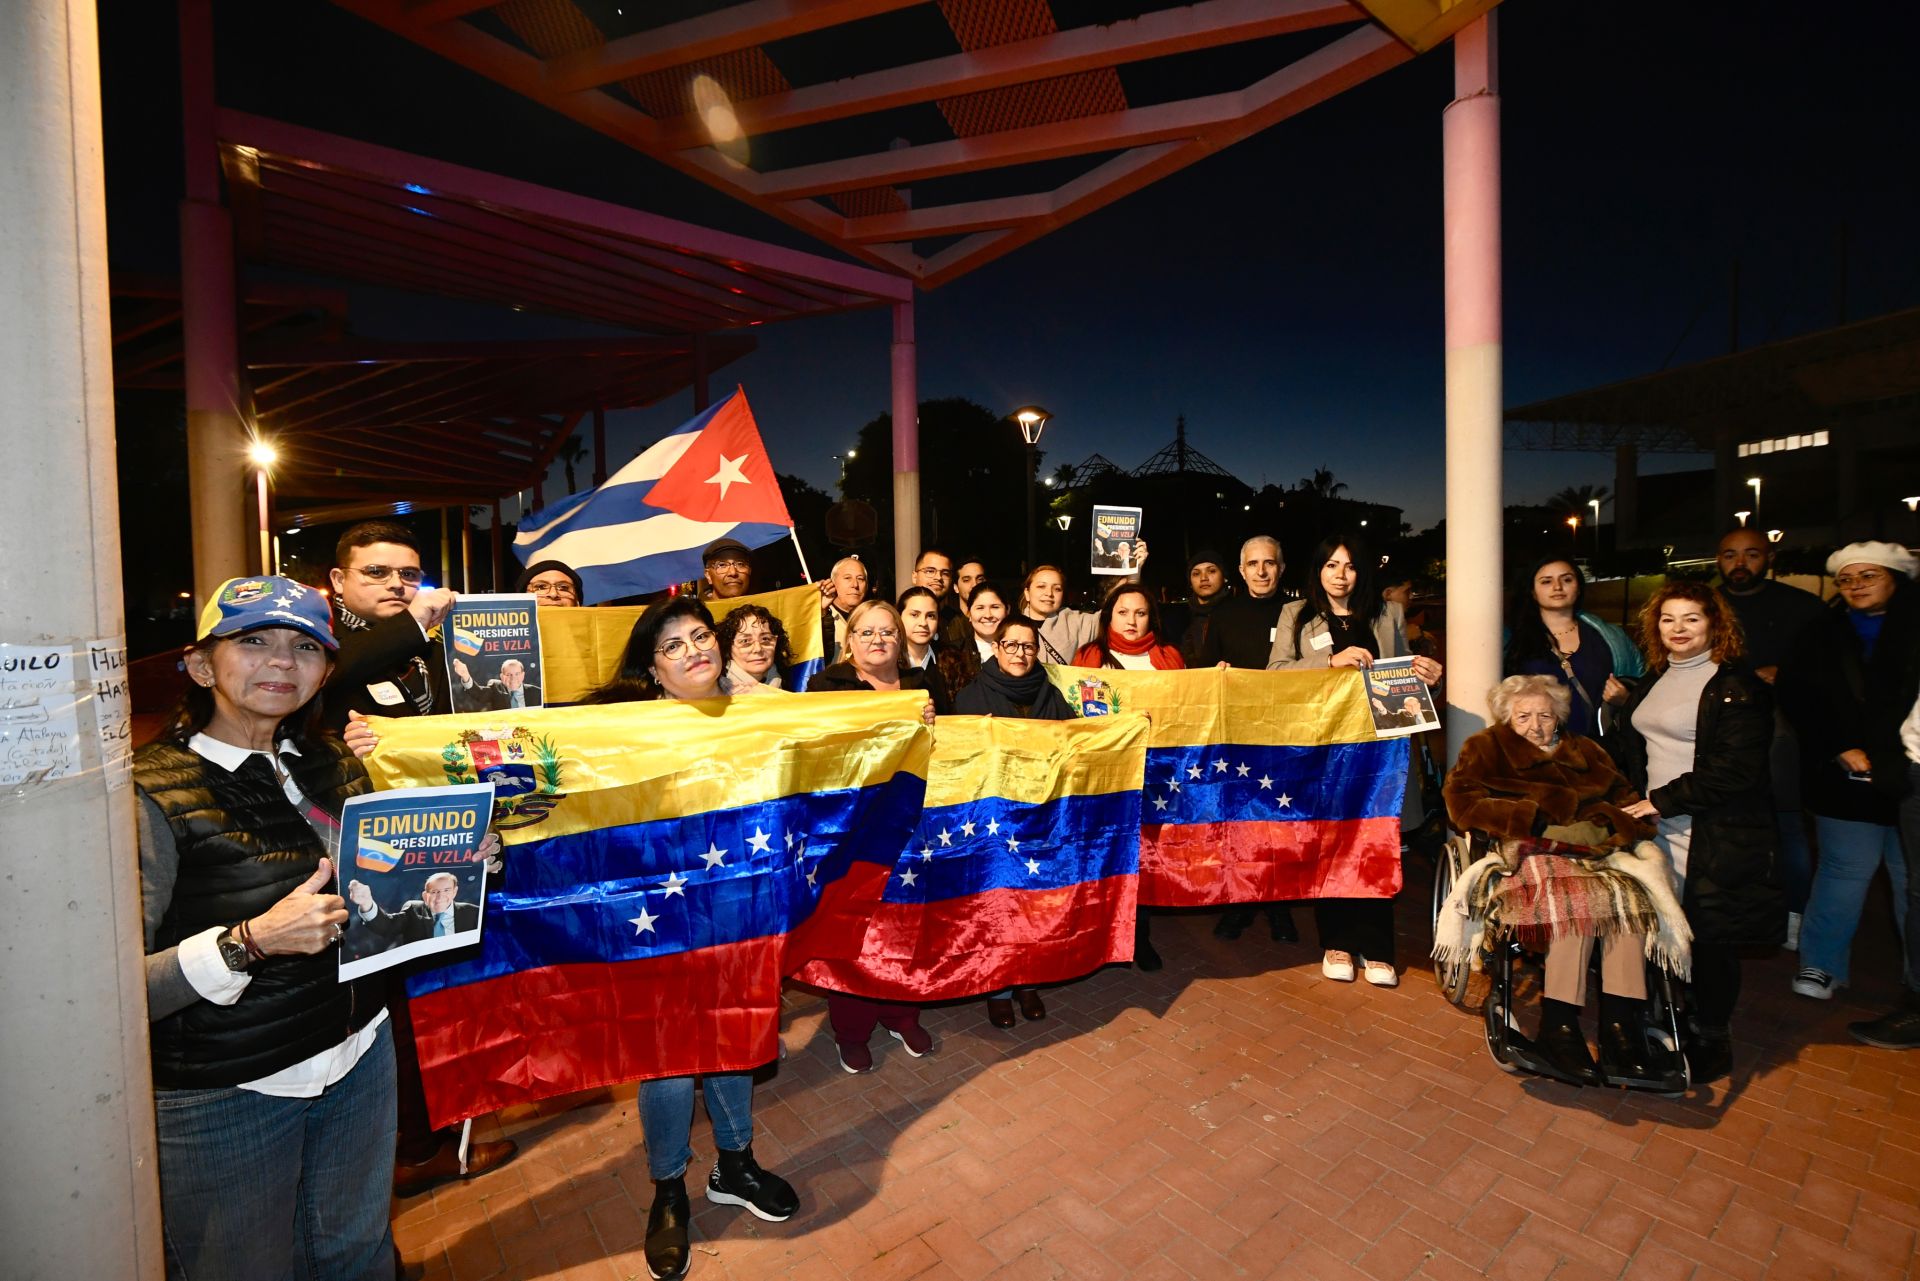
x=1032 y=420
x=263 y=456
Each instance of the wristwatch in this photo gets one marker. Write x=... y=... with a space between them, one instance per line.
x=232 y=950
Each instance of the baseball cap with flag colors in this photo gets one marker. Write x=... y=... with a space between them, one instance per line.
x=267 y=600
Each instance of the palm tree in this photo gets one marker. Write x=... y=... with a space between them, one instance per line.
x=1322 y=484
x=1578 y=500
x=570 y=454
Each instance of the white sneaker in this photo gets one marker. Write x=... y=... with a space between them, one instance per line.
x=1337 y=966
x=1379 y=973
x=1817 y=984
x=1793 y=931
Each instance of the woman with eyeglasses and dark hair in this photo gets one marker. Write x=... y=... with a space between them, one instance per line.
x=1012 y=683
x=755 y=645
x=554 y=584
x=1343 y=622
x=675 y=652
x=871 y=661
x=1548 y=634
x=1843 y=691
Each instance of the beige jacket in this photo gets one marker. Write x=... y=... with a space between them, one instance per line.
x=1389 y=630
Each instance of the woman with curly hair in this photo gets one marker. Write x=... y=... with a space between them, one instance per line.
x=755 y=645
x=1693 y=740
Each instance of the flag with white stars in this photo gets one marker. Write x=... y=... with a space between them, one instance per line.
x=1260 y=786
x=678 y=862
x=1022 y=869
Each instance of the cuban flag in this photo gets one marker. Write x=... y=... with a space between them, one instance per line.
x=1260 y=786
x=677 y=861
x=647 y=525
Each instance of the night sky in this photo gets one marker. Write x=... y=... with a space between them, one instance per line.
x=1285 y=295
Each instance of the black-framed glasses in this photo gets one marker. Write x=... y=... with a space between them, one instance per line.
x=559 y=591
x=411 y=575
x=1019 y=647
x=676 y=648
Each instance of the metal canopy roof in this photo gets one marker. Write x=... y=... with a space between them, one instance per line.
x=862 y=121
x=1794 y=385
x=319 y=203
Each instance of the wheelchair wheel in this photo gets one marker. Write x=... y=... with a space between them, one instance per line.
x=1451 y=977
x=1498 y=1009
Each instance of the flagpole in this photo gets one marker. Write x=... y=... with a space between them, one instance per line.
x=805 y=574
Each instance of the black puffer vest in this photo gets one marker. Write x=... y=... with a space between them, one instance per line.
x=242 y=848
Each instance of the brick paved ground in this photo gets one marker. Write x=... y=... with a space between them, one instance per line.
x=1237 y=1116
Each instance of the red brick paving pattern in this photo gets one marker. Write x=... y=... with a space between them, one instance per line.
x=1237 y=1116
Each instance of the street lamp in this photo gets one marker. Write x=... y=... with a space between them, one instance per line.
x=1775 y=535
x=263 y=456
x=1033 y=421
x=1595 y=504
x=1755 y=482
x=1742 y=518
x=1573 y=523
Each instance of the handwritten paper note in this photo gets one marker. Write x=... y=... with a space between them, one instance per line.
x=112 y=707
x=39 y=723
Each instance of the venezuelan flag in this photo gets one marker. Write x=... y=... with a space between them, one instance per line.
x=673 y=863
x=376 y=856
x=582 y=647
x=1022 y=870
x=1260 y=786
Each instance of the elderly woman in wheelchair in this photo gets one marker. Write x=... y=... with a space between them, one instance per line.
x=1553 y=859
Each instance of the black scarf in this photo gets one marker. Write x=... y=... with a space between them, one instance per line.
x=1020 y=696
x=412 y=679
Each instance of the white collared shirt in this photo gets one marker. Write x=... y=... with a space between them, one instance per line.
x=201 y=963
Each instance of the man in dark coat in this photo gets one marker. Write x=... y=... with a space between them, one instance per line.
x=435 y=914
x=389 y=664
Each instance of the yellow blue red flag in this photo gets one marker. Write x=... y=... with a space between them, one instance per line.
x=1260 y=786
x=667 y=864
x=1022 y=869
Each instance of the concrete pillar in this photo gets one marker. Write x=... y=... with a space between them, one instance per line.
x=216 y=437
x=466 y=548
x=1471 y=146
x=80 y=1196
x=906 y=447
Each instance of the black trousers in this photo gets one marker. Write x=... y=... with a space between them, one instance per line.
x=1362 y=926
x=417 y=1140
x=1716 y=985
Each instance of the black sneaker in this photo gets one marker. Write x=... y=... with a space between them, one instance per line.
x=1899 y=1030
x=737 y=1179
x=667 y=1249
x=1280 y=925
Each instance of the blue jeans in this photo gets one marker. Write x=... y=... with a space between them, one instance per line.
x=1850 y=853
x=259 y=1188
x=1796 y=858
x=666 y=1118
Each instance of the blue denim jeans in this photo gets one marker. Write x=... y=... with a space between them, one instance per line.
x=666 y=1118
x=1850 y=853
x=1796 y=858
x=259 y=1188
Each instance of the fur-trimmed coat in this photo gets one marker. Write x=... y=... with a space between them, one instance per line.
x=1506 y=787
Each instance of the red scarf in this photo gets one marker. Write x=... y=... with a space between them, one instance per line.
x=1164 y=658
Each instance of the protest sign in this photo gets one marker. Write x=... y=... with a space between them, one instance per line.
x=1116 y=530
x=1400 y=702
x=411 y=872
x=492 y=646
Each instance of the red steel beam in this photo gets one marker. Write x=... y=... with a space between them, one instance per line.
x=1154 y=35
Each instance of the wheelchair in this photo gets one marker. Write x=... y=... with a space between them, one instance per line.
x=1496 y=956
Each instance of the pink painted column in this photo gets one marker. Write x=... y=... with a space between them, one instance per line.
x=216 y=440
x=906 y=446
x=1471 y=145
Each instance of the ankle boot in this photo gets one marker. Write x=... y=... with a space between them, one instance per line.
x=1624 y=1051
x=1562 y=1047
x=737 y=1179
x=667 y=1248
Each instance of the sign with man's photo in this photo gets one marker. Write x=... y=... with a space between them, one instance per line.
x=413 y=870
x=492 y=645
x=1400 y=701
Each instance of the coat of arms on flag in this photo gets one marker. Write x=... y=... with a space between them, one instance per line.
x=524 y=769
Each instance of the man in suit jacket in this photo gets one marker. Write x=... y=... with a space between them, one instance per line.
x=433 y=915
x=388 y=664
x=510 y=689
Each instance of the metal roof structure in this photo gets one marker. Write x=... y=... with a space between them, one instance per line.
x=927 y=137
x=1178 y=458
x=328 y=205
x=1780 y=388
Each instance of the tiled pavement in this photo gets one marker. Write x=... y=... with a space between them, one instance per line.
x=1236 y=1116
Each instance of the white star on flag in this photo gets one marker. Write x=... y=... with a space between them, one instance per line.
x=760 y=842
x=1284 y=801
x=1243 y=769
x=643 y=923
x=715 y=856
x=1033 y=867
x=907 y=877
x=1173 y=785
x=1219 y=767
x=946 y=837
x=676 y=884
x=1265 y=782
x=1193 y=771
x=926 y=853
x=1013 y=845
x=812 y=878
x=1159 y=802
x=729 y=475
x=966 y=828
x=789 y=840
x=993 y=827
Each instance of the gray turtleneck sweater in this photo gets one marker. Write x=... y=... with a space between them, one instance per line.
x=1667 y=719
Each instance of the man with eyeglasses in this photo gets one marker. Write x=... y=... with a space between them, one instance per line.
x=1774 y=617
x=727 y=566
x=934 y=571
x=389 y=665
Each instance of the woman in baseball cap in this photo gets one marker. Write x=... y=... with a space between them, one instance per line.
x=271 y=1077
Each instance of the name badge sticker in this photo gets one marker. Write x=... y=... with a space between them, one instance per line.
x=386 y=693
x=1322 y=641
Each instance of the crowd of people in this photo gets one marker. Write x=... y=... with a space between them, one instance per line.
x=1764 y=745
